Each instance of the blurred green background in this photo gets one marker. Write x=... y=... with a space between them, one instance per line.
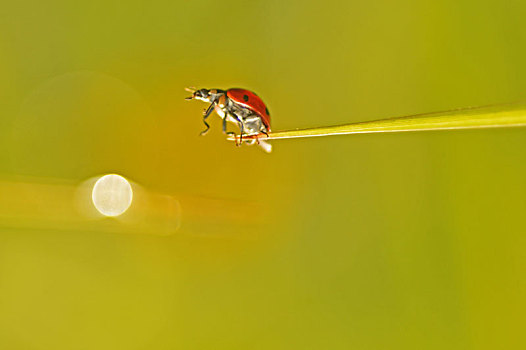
x=400 y=241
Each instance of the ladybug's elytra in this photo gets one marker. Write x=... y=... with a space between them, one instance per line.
x=239 y=106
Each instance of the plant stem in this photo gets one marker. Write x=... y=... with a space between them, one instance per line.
x=510 y=115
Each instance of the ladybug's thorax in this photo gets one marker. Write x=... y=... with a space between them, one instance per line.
x=222 y=101
x=215 y=95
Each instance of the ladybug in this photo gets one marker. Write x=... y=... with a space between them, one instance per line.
x=238 y=106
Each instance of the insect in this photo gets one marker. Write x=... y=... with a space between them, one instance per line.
x=238 y=106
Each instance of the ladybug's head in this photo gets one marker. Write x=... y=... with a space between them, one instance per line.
x=204 y=94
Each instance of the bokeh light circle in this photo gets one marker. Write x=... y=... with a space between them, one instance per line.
x=112 y=195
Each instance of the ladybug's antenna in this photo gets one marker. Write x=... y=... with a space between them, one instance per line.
x=192 y=90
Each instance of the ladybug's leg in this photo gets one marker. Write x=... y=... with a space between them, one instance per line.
x=224 y=127
x=233 y=134
x=240 y=140
x=229 y=133
x=241 y=130
x=207 y=113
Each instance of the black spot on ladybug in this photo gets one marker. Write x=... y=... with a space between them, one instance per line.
x=245 y=97
x=266 y=111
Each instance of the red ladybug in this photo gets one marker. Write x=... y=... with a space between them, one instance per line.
x=238 y=106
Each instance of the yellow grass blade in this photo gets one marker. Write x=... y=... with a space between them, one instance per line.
x=510 y=115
